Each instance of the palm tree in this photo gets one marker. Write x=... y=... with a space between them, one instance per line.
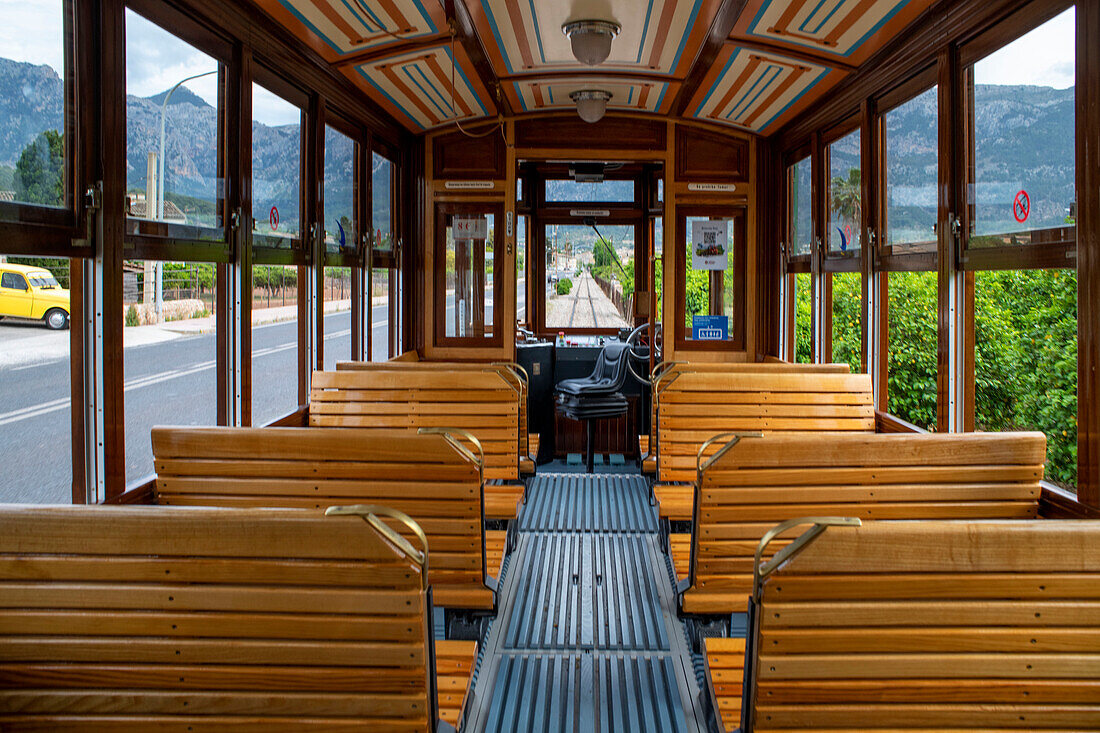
x=847 y=203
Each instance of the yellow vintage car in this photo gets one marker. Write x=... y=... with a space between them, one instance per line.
x=33 y=292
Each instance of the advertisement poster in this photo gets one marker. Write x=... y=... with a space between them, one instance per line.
x=709 y=242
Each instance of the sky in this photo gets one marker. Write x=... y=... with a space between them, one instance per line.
x=31 y=31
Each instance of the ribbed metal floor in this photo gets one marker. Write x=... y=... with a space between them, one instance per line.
x=586 y=637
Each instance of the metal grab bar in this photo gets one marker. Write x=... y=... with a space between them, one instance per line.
x=370 y=512
x=736 y=438
x=451 y=435
x=762 y=571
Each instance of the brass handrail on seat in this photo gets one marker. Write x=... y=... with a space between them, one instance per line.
x=735 y=436
x=762 y=571
x=451 y=435
x=370 y=512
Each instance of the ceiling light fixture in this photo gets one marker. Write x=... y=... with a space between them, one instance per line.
x=591 y=39
x=591 y=103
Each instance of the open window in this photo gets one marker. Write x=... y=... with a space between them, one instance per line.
x=710 y=295
x=467 y=274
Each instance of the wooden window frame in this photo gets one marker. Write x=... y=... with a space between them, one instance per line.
x=442 y=211
x=736 y=341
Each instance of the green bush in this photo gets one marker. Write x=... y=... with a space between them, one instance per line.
x=564 y=286
x=132 y=317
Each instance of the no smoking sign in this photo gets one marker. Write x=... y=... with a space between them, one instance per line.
x=1021 y=207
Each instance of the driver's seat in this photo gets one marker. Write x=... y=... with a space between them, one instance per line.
x=597 y=395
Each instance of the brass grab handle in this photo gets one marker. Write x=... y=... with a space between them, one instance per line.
x=370 y=512
x=762 y=571
x=735 y=439
x=451 y=435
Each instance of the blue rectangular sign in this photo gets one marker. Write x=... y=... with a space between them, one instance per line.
x=710 y=328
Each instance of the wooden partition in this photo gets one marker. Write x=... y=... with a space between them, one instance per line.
x=932 y=625
x=151 y=618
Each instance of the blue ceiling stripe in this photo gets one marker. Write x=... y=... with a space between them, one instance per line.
x=465 y=80
x=425 y=16
x=686 y=33
x=393 y=101
x=550 y=92
x=752 y=30
x=444 y=103
x=661 y=99
x=294 y=11
x=885 y=19
x=442 y=112
x=630 y=97
x=360 y=18
x=519 y=95
x=496 y=34
x=797 y=97
x=538 y=33
x=812 y=13
x=748 y=103
x=717 y=81
x=645 y=31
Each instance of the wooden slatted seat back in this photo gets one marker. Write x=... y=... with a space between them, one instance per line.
x=760 y=482
x=429 y=477
x=510 y=371
x=482 y=402
x=142 y=618
x=931 y=625
x=697 y=405
x=667 y=373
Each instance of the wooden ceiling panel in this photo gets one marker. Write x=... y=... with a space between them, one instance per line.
x=337 y=28
x=531 y=95
x=849 y=29
x=657 y=37
x=416 y=87
x=756 y=91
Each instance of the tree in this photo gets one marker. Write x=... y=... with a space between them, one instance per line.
x=846 y=200
x=39 y=174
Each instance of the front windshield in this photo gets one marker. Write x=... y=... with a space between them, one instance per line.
x=43 y=280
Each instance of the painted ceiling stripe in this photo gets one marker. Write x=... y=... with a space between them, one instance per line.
x=645 y=31
x=833 y=26
x=346 y=26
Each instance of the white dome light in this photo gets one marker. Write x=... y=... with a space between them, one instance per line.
x=591 y=39
x=591 y=103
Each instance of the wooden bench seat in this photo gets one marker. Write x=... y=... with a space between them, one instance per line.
x=761 y=482
x=696 y=406
x=930 y=625
x=432 y=478
x=502 y=500
x=511 y=372
x=726 y=671
x=454 y=667
x=139 y=618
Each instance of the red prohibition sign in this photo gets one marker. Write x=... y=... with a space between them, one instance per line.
x=1021 y=207
x=273 y=217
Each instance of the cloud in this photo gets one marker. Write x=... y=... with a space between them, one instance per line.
x=33 y=32
x=1043 y=57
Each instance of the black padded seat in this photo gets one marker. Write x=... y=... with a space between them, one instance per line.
x=597 y=395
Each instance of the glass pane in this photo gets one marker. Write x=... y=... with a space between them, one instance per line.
x=912 y=173
x=32 y=156
x=521 y=270
x=1024 y=134
x=382 y=206
x=803 y=327
x=469 y=277
x=847 y=343
x=170 y=355
x=709 y=288
x=276 y=170
x=274 y=342
x=802 y=228
x=845 y=198
x=589 y=278
x=912 y=345
x=658 y=268
x=1025 y=371
x=381 y=280
x=569 y=191
x=172 y=135
x=339 y=213
x=337 y=299
x=35 y=422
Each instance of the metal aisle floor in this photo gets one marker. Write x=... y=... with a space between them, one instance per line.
x=586 y=638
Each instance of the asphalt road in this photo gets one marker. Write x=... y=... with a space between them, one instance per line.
x=172 y=382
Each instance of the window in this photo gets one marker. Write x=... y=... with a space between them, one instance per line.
x=803 y=325
x=711 y=254
x=589 y=276
x=274 y=342
x=845 y=195
x=382 y=208
x=801 y=214
x=339 y=199
x=35 y=427
x=847 y=320
x=467 y=274
x=170 y=354
x=1024 y=175
x=912 y=347
x=336 y=296
x=569 y=191
x=276 y=170
x=173 y=135
x=912 y=174
x=521 y=270
x=34 y=160
x=382 y=307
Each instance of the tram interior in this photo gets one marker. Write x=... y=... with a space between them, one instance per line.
x=482 y=365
